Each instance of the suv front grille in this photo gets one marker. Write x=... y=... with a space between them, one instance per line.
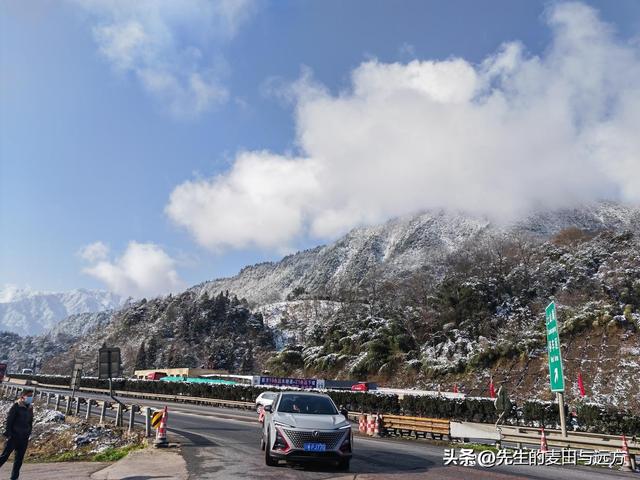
x=300 y=437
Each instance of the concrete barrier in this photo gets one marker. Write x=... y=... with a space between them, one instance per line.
x=467 y=430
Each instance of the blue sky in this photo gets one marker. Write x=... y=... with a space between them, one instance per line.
x=95 y=135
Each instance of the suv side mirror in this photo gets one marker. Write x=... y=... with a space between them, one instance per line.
x=268 y=408
x=345 y=413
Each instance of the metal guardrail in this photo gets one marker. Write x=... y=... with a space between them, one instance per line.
x=163 y=397
x=70 y=405
x=420 y=426
x=588 y=441
x=178 y=398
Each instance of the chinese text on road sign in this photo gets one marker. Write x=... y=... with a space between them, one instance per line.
x=553 y=349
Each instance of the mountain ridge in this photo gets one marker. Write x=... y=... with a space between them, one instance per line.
x=397 y=246
x=30 y=312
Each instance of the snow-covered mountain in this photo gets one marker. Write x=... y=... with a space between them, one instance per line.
x=80 y=325
x=431 y=299
x=29 y=312
x=400 y=247
x=391 y=249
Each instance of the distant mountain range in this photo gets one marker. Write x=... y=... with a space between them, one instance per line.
x=29 y=312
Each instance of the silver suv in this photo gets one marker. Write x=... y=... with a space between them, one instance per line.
x=304 y=426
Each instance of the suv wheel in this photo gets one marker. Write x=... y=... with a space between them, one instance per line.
x=268 y=459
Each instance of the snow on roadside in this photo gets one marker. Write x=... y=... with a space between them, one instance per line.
x=55 y=434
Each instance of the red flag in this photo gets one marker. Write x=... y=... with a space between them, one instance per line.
x=580 y=384
x=455 y=388
x=492 y=389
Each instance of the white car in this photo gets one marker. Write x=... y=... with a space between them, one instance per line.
x=264 y=399
x=305 y=426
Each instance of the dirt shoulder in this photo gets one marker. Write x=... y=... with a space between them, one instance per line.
x=60 y=438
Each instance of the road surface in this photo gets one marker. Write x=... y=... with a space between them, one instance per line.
x=220 y=443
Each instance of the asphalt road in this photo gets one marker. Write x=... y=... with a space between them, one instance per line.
x=220 y=443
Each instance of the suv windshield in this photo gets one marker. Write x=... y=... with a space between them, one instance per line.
x=306 y=404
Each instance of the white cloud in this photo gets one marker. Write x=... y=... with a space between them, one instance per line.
x=94 y=252
x=13 y=293
x=260 y=202
x=499 y=138
x=144 y=270
x=171 y=47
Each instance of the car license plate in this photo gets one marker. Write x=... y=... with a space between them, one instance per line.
x=315 y=447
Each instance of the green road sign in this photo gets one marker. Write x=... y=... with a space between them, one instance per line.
x=553 y=349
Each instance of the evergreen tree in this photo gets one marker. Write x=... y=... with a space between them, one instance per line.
x=173 y=359
x=220 y=307
x=152 y=351
x=234 y=301
x=247 y=361
x=141 y=358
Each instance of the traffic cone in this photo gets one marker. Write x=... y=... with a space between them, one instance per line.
x=492 y=389
x=161 y=433
x=455 y=388
x=362 y=423
x=626 y=463
x=261 y=415
x=543 y=442
x=371 y=420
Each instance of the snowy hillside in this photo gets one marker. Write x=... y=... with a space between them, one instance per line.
x=80 y=325
x=593 y=218
x=29 y=312
x=484 y=317
x=391 y=249
x=295 y=321
x=29 y=351
x=400 y=247
x=173 y=331
x=430 y=300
